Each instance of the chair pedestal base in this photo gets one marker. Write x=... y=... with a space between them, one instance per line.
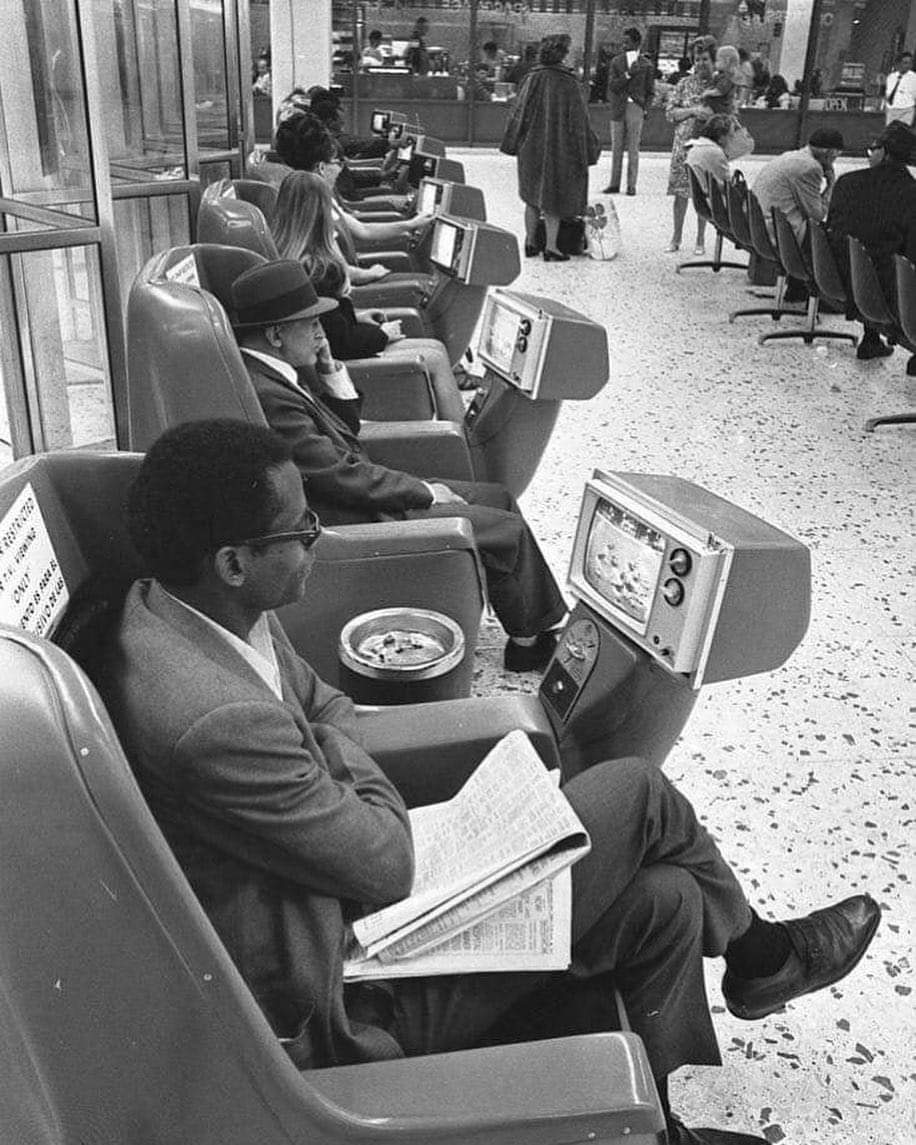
x=890 y=419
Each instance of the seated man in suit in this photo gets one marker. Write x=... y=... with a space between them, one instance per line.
x=287 y=829
x=877 y=205
x=309 y=400
x=800 y=184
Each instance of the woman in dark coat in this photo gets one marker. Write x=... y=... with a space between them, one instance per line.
x=550 y=134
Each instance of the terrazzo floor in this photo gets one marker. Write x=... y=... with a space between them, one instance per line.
x=805 y=774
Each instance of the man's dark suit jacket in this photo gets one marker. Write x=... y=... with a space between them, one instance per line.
x=638 y=84
x=876 y=205
x=344 y=486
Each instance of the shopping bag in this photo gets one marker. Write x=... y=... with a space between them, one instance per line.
x=602 y=232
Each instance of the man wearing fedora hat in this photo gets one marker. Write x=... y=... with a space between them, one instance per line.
x=877 y=205
x=309 y=400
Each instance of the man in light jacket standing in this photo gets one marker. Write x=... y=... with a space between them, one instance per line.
x=630 y=89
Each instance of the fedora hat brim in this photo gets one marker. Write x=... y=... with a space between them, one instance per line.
x=322 y=306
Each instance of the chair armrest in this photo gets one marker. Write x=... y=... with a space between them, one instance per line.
x=384 y=294
x=429 y=449
x=429 y=750
x=394 y=389
x=396 y=260
x=412 y=325
x=595 y=1087
x=426 y=563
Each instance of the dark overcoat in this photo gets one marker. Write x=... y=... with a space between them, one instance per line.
x=554 y=142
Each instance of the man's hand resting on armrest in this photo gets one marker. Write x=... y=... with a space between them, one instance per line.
x=442 y=495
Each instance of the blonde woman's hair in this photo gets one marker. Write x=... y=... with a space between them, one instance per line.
x=303 y=227
x=729 y=57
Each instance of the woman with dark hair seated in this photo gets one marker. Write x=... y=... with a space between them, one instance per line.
x=305 y=144
x=304 y=230
x=550 y=134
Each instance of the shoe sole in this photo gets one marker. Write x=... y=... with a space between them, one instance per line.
x=755 y=1015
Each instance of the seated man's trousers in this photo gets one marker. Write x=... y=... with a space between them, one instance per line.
x=521 y=587
x=650 y=900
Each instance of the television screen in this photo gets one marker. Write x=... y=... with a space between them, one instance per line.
x=445 y=245
x=498 y=341
x=405 y=151
x=428 y=198
x=380 y=121
x=623 y=558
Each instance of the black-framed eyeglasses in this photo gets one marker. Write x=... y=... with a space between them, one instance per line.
x=307 y=536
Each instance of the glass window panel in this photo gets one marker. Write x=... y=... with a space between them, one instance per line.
x=144 y=227
x=59 y=300
x=140 y=82
x=424 y=61
x=208 y=42
x=45 y=146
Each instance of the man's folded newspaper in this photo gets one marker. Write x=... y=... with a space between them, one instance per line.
x=492 y=886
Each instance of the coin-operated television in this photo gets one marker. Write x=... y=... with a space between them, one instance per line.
x=705 y=588
x=472 y=252
x=674 y=587
x=440 y=196
x=542 y=347
x=380 y=122
x=426 y=165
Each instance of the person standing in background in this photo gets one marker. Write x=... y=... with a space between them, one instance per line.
x=900 y=92
x=630 y=88
x=417 y=55
x=550 y=135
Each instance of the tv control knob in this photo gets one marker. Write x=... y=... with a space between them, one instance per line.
x=673 y=591
x=525 y=326
x=521 y=344
x=680 y=562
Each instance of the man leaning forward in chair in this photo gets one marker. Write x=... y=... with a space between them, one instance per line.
x=308 y=398
x=287 y=829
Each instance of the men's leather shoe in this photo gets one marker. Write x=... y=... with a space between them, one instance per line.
x=873 y=348
x=611 y=191
x=679 y=1134
x=631 y=191
x=530 y=657
x=826 y=945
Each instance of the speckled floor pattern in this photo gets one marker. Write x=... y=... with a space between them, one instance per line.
x=804 y=775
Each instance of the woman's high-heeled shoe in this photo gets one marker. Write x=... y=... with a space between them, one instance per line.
x=672 y=247
x=531 y=250
x=555 y=256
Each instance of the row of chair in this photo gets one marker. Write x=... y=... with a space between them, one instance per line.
x=736 y=215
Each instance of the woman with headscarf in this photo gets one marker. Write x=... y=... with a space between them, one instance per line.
x=550 y=134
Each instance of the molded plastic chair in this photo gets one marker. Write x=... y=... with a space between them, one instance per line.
x=121 y=1013
x=867 y=292
x=906 y=314
x=700 y=196
x=428 y=564
x=797 y=266
x=827 y=276
x=396 y=388
x=762 y=246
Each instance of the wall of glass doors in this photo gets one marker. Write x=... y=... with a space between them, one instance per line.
x=113 y=114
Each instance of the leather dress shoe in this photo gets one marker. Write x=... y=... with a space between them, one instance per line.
x=531 y=249
x=872 y=348
x=530 y=657
x=555 y=256
x=679 y=1134
x=825 y=946
x=611 y=191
